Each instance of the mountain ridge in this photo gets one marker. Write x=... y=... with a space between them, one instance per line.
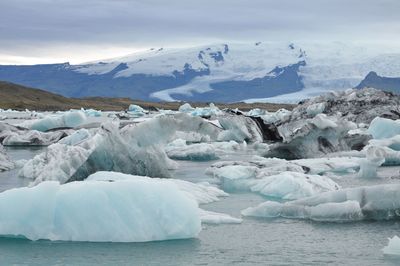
x=260 y=71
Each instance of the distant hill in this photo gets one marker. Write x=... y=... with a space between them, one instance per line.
x=20 y=98
x=373 y=80
x=17 y=97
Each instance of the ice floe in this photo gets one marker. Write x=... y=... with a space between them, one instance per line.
x=379 y=202
x=69 y=119
x=179 y=150
x=393 y=248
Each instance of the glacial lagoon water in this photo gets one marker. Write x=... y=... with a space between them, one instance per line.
x=254 y=242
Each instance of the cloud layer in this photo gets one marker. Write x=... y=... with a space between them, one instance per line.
x=80 y=30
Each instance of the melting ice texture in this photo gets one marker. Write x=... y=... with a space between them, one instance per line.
x=109 y=207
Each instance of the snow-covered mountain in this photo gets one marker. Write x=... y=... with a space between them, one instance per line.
x=259 y=71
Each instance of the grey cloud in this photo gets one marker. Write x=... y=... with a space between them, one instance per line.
x=46 y=23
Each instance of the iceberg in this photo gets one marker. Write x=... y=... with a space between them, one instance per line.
x=32 y=137
x=201 y=193
x=69 y=119
x=285 y=185
x=383 y=128
x=107 y=150
x=179 y=150
x=76 y=138
x=134 y=149
x=375 y=157
x=92 y=112
x=393 y=248
x=356 y=105
x=5 y=162
x=186 y=108
x=209 y=111
x=136 y=110
x=239 y=128
x=379 y=202
x=124 y=211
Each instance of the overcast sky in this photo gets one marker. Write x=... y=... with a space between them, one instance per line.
x=43 y=31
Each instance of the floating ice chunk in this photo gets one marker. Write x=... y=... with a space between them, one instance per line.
x=256 y=112
x=32 y=138
x=192 y=136
x=375 y=157
x=380 y=202
x=226 y=146
x=286 y=185
x=280 y=115
x=292 y=185
x=5 y=162
x=77 y=137
x=107 y=150
x=136 y=110
x=392 y=143
x=328 y=212
x=239 y=128
x=179 y=150
x=257 y=164
x=393 y=248
x=91 y=112
x=201 y=193
x=186 y=108
x=210 y=217
x=382 y=128
x=234 y=172
x=321 y=121
x=59 y=162
x=315 y=109
x=206 y=111
x=310 y=138
x=125 y=211
x=329 y=165
x=69 y=119
x=272 y=181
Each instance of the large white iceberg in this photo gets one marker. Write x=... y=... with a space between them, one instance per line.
x=380 y=202
x=126 y=211
x=135 y=149
x=393 y=248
